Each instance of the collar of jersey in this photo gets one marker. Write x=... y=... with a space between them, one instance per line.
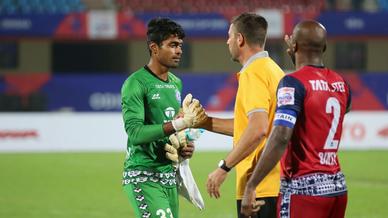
x=316 y=66
x=260 y=54
x=153 y=74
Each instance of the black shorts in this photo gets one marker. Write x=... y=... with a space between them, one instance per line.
x=266 y=211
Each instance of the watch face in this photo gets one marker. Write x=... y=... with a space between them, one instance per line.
x=220 y=163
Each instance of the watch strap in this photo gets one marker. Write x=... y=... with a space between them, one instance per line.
x=224 y=167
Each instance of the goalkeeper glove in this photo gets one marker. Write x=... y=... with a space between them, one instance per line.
x=178 y=141
x=171 y=153
x=193 y=114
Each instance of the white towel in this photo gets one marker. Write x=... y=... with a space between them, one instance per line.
x=187 y=186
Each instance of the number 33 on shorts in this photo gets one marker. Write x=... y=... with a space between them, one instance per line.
x=164 y=214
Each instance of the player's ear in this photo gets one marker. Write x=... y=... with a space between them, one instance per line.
x=153 y=47
x=324 y=48
x=240 y=40
x=294 y=47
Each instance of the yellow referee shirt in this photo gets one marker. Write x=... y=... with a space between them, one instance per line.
x=257 y=84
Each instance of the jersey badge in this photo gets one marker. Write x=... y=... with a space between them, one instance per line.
x=178 y=96
x=286 y=96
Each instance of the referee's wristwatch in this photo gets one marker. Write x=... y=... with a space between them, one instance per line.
x=222 y=165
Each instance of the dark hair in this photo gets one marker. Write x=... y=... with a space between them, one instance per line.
x=160 y=29
x=252 y=26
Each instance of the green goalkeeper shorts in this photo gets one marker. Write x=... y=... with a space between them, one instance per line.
x=153 y=200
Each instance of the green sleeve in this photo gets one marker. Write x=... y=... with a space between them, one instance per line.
x=132 y=104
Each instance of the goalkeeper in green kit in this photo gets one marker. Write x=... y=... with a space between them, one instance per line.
x=151 y=101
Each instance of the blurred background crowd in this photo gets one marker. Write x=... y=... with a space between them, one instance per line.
x=187 y=6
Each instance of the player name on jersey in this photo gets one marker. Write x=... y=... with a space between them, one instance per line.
x=328 y=158
x=321 y=85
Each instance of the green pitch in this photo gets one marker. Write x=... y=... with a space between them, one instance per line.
x=87 y=185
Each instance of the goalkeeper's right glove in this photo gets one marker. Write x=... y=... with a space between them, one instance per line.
x=193 y=114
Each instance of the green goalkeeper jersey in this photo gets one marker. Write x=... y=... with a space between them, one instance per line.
x=147 y=103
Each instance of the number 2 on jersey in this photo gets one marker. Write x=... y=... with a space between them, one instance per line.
x=332 y=106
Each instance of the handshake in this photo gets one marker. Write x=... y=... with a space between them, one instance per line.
x=192 y=116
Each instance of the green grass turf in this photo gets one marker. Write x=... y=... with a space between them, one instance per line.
x=87 y=185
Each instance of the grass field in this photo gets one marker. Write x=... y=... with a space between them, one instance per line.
x=87 y=185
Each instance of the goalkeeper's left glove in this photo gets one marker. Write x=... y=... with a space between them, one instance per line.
x=178 y=141
x=171 y=153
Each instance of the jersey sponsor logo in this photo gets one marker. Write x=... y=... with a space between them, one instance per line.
x=321 y=85
x=178 y=96
x=165 y=86
x=286 y=96
x=169 y=112
x=155 y=96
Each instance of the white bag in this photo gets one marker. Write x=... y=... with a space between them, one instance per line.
x=187 y=186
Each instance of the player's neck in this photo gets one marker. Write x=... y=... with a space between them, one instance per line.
x=159 y=70
x=247 y=53
x=302 y=61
